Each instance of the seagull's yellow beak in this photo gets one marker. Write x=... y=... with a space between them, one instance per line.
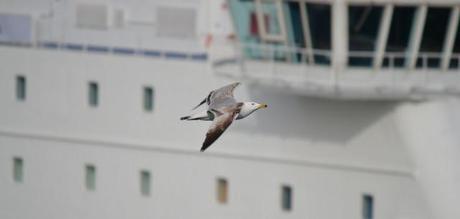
x=261 y=106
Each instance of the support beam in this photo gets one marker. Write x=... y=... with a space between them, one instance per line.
x=416 y=36
x=382 y=39
x=339 y=35
x=306 y=32
x=450 y=37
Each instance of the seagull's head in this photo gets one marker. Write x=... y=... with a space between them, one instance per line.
x=250 y=107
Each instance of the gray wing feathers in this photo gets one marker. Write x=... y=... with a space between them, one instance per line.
x=223 y=97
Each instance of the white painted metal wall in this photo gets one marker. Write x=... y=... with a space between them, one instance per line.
x=331 y=152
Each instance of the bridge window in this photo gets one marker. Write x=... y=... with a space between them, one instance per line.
x=433 y=37
x=270 y=29
x=398 y=39
x=270 y=25
x=319 y=16
x=363 y=28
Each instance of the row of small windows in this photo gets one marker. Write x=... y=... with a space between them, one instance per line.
x=93 y=93
x=222 y=187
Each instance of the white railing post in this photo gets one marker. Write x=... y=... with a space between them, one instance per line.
x=339 y=37
x=416 y=35
x=383 y=35
x=450 y=38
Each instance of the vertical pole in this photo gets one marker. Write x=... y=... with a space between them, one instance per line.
x=382 y=39
x=450 y=37
x=306 y=32
x=339 y=34
x=339 y=38
x=416 y=36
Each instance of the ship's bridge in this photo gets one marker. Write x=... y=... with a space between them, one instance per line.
x=347 y=49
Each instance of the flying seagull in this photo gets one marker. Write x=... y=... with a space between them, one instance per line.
x=222 y=110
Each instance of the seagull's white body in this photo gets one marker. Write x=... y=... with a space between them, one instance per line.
x=222 y=110
x=246 y=110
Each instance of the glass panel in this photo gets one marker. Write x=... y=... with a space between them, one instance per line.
x=18 y=169
x=90 y=179
x=368 y=207
x=286 y=198
x=295 y=30
x=398 y=38
x=246 y=25
x=454 y=62
x=145 y=183
x=148 y=98
x=433 y=37
x=93 y=94
x=270 y=17
x=319 y=17
x=20 y=88
x=222 y=190
x=363 y=26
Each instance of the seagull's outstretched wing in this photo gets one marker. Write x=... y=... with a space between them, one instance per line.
x=223 y=94
x=220 y=124
x=222 y=97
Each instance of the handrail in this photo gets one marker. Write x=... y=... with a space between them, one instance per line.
x=283 y=52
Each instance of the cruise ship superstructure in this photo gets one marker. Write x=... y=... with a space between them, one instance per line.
x=362 y=122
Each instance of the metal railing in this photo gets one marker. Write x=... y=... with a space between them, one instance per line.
x=314 y=57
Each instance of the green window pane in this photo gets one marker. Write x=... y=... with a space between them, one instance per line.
x=20 y=88
x=145 y=182
x=148 y=98
x=286 y=198
x=368 y=206
x=90 y=179
x=93 y=94
x=18 y=169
